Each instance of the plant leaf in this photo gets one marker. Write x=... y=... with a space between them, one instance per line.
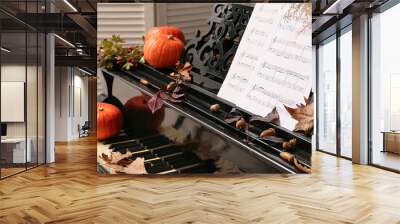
x=177 y=95
x=183 y=71
x=233 y=119
x=304 y=114
x=272 y=117
x=156 y=102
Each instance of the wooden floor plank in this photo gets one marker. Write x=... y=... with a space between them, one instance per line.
x=71 y=191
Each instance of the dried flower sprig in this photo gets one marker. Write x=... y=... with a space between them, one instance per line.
x=112 y=53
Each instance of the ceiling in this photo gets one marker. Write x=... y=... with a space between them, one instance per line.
x=72 y=20
x=77 y=24
x=332 y=15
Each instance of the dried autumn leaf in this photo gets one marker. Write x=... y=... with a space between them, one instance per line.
x=124 y=162
x=177 y=95
x=136 y=167
x=183 y=71
x=156 y=102
x=233 y=119
x=115 y=157
x=272 y=117
x=304 y=114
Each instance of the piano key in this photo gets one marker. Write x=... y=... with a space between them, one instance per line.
x=156 y=144
x=130 y=141
x=172 y=171
x=157 y=167
x=182 y=160
x=163 y=151
x=143 y=154
x=204 y=167
x=122 y=137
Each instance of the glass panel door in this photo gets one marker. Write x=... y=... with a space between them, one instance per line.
x=14 y=153
x=327 y=96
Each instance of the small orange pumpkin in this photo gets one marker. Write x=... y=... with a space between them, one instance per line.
x=162 y=51
x=167 y=30
x=109 y=121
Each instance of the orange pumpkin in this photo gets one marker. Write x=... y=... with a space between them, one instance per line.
x=109 y=120
x=162 y=51
x=167 y=30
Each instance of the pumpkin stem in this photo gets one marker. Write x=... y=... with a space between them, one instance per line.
x=100 y=108
x=171 y=37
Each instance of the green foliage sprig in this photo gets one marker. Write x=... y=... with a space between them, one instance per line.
x=112 y=54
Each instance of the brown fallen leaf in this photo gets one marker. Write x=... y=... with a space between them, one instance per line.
x=136 y=167
x=115 y=157
x=304 y=114
x=272 y=117
x=183 y=71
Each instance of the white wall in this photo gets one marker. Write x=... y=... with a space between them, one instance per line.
x=69 y=82
x=15 y=72
x=129 y=20
x=132 y=20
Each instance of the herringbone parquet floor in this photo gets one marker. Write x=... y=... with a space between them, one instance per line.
x=70 y=191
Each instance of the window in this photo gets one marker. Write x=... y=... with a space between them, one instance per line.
x=346 y=93
x=327 y=96
x=385 y=89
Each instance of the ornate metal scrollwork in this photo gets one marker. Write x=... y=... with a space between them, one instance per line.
x=211 y=54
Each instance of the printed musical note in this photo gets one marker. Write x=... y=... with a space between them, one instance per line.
x=273 y=63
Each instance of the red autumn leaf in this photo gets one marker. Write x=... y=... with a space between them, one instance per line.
x=164 y=95
x=156 y=102
x=177 y=95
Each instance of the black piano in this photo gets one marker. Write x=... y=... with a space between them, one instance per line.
x=192 y=139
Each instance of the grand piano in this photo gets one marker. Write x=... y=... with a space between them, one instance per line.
x=193 y=139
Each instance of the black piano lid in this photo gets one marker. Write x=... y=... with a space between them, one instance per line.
x=201 y=114
x=209 y=54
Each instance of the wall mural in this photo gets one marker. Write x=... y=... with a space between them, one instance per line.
x=234 y=99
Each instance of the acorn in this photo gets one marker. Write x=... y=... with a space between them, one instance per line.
x=289 y=144
x=268 y=132
x=144 y=82
x=215 y=107
x=287 y=156
x=301 y=167
x=241 y=123
x=171 y=86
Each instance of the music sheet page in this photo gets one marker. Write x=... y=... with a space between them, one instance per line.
x=273 y=64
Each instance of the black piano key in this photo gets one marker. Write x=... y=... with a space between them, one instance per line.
x=204 y=167
x=116 y=139
x=146 y=155
x=136 y=141
x=135 y=148
x=167 y=151
x=154 y=168
x=156 y=144
x=181 y=161
x=118 y=146
x=153 y=139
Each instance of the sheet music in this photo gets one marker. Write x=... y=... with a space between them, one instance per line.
x=273 y=64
